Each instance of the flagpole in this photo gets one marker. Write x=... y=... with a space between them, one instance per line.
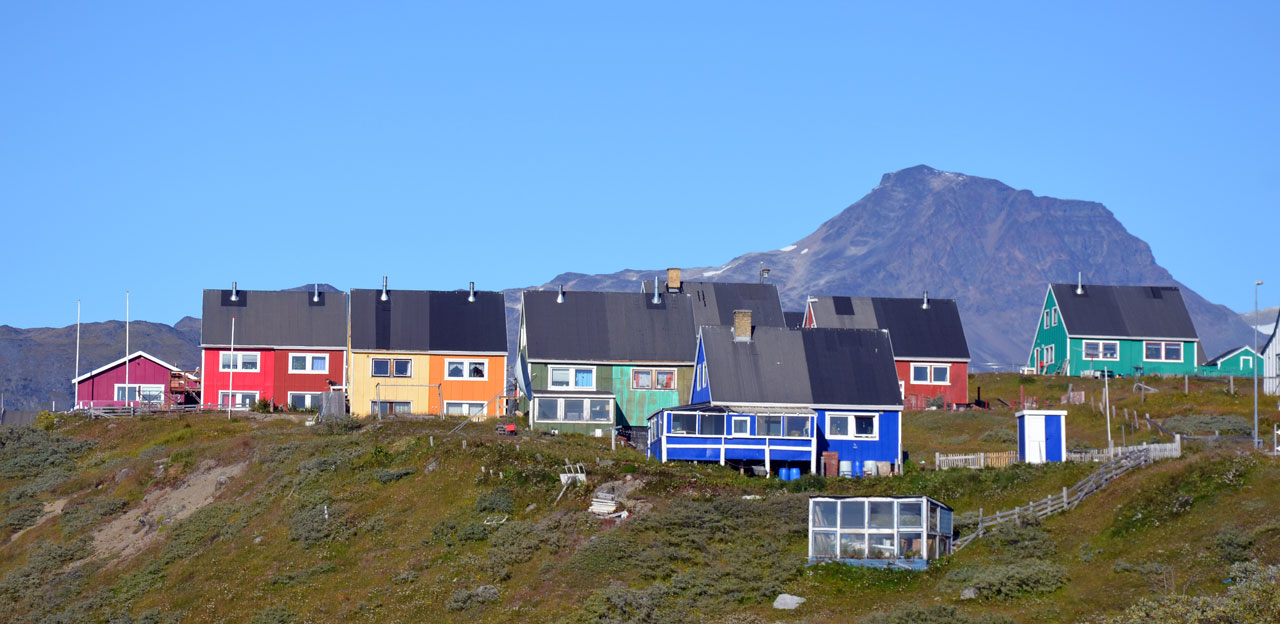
x=126 y=348
x=231 y=374
x=75 y=385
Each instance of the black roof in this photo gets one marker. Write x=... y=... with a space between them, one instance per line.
x=918 y=332
x=1124 y=311
x=609 y=327
x=714 y=303
x=807 y=366
x=428 y=320
x=274 y=318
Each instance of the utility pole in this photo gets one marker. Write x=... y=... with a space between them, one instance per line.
x=1256 y=440
x=126 y=348
x=231 y=373
x=1106 y=406
x=75 y=385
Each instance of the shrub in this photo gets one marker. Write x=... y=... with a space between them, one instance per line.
x=302 y=576
x=934 y=614
x=22 y=517
x=1175 y=494
x=1032 y=576
x=319 y=524
x=1000 y=436
x=1022 y=541
x=27 y=452
x=387 y=476
x=1232 y=544
x=463 y=599
x=807 y=483
x=274 y=614
x=336 y=425
x=1251 y=595
x=1224 y=424
x=499 y=501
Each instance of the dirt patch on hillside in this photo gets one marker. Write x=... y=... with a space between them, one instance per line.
x=133 y=532
x=50 y=510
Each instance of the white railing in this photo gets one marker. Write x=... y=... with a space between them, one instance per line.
x=1157 y=451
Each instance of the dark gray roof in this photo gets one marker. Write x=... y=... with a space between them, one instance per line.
x=428 y=320
x=609 y=327
x=936 y=332
x=714 y=303
x=794 y=319
x=1125 y=311
x=807 y=367
x=275 y=318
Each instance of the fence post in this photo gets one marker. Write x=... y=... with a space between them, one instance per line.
x=937 y=461
x=1064 y=497
x=979 y=521
x=982 y=460
x=1177 y=441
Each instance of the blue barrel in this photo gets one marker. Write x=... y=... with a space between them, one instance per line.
x=793 y=474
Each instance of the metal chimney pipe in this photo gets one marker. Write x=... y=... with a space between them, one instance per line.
x=235 y=296
x=925 y=305
x=383 y=297
x=1079 y=282
x=656 y=298
x=315 y=295
x=471 y=296
x=560 y=297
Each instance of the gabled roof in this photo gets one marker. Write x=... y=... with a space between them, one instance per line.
x=1213 y=361
x=917 y=332
x=608 y=327
x=714 y=303
x=274 y=318
x=805 y=367
x=1124 y=311
x=428 y=320
x=128 y=358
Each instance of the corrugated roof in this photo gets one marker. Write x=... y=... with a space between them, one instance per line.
x=714 y=303
x=1125 y=311
x=609 y=327
x=428 y=320
x=275 y=318
x=851 y=367
x=936 y=332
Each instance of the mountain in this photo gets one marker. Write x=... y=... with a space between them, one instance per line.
x=1265 y=321
x=991 y=247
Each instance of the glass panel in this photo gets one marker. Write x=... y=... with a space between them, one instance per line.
x=403 y=368
x=298 y=363
x=944 y=521
x=1110 y=350
x=853 y=514
x=865 y=425
x=133 y=393
x=824 y=544
x=741 y=426
x=880 y=546
x=477 y=370
x=797 y=426
x=454 y=370
x=910 y=545
x=381 y=368
x=824 y=514
x=1173 y=351
x=664 y=380
x=1153 y=350
x=573 y=409
x=559 y=378
x=712 y=424
x=454 y=409
x=298 y=401
x=853 y=545
x=909 y=516
x=226 y=362
x=684 y=423
x=249 y=361
x=838 y=425
x=475 y=409
x=933 y=518
x=920 y=374
x=880 y=514
x=584 y=378
x=940 y=374
x=120 y=393
x=400 y=407
x=548 y=409
x=1092 y=350
x=600 y=410
x=769 y=426
x=642 y=379
x=319 y=362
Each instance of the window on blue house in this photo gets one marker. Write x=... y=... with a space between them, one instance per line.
x=741 y=426
x=848 y=425
x=684 y=423
x=798 y=427
x=711 y=424
x=769 y=426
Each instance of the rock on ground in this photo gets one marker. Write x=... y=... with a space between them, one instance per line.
x=787 y=601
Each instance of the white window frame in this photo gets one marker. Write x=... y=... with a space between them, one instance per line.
x=237 y=360
x=1050 y=351
x=1047 y=315
x=573 y=378
x=1246 y=360
x=1054 y=314
x=929 y=374
x=310 y=357
x=852 y=416
x=733 y=423
x=223 y=393
x=391 y=367
x=373 y=407
x=138 y=390
x=466 y=370
x=484 y=408
x=1084 y=350
x=653 y=379
x=586 y=413
x=315 y=404
x=1164 y=346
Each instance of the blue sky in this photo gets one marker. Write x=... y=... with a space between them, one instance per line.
x=283 y=143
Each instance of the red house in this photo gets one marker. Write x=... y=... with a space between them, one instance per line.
x=286 y=347
x=149 y=381
x=929 y=346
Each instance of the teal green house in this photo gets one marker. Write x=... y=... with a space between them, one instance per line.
x=1085 y=329
x=1238 y=362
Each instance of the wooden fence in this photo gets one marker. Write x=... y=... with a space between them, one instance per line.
x=1001 y=459
x=944 y=461
x=1068 y=499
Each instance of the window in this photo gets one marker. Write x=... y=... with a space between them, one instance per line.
x=741 y=425
x=684 y=423
x=239 y=361
x=1048 y=354
x=853 y=545
x=1055 y=316
x=824 y=514
x=1101 y=350
x=455 y=408
x=576 y=378
x=824 y=544
x=466 y=369
x=143 y=393
x=653 y=379
x=798 y=427
x=311 y=363
x=1246 y=362
x=304 y=400
x=880 y=514
x=601 y=410
x=769 y=426
x=711 y=424
x=845 y=425
x=237 y=399
x=930 y=373
x=383 y=408
x=384 y=367
x=853 y=514
x=548 y=409
x=909 y=516
x=1162 y=351
x=573 y=410
x=1047 y=316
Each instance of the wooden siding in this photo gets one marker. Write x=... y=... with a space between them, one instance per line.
x=214 y=381
x=631 y=407
x=364 y=388
x=956 y=390
x=101 y=388
x=468 y=390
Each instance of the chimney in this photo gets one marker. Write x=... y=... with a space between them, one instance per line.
x=383 y=297
x=471 y=296
x=925 y=305
x=1079 y=283
x=673 y=280
x=235 y=293
x=315 y=294
x=742 y=325
x=560 y=297
x=656 y=298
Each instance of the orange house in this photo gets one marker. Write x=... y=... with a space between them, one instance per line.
x=469 y=383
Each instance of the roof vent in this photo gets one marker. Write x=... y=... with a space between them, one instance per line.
x=742 y=325
x=1079 y=283
x=383 y=296
x=925 y=305
x=471 y=296
x=315 y=294
x=235 y=293
x=560 y=297
x=656 y=298
x=764 y=273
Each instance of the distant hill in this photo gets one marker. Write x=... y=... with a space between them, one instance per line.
x=1265 y=321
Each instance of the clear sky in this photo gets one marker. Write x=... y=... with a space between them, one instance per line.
x=168 y=147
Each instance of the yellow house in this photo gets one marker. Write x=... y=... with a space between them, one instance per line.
x=427 y=352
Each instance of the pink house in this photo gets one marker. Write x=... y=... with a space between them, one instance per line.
x=139 y=379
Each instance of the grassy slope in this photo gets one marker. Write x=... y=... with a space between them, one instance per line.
x=397 y=551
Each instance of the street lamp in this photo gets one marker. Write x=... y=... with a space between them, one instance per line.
x=1256 y=440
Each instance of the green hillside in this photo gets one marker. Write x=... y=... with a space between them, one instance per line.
x=201 y=519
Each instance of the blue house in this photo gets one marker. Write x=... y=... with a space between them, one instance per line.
x=1042 y=436
x=775 y=398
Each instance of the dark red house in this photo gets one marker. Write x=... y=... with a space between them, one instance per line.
x=288 y=346
x=149 y=381
x=929 y=346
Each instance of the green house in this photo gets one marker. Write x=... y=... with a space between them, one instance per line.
x=1238 y=362
x=1086 y=329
